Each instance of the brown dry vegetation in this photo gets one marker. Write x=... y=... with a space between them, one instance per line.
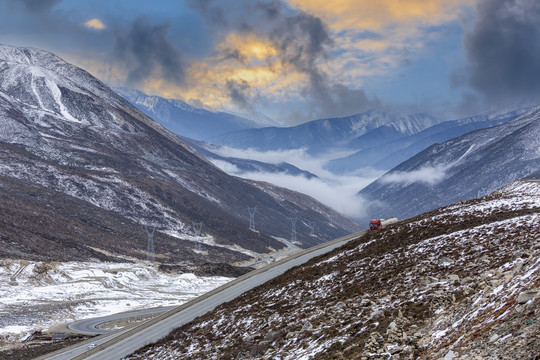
x=421 y=276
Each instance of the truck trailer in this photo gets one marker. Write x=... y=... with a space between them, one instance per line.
x=377 y=224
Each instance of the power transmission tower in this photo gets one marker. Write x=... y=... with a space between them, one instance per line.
x=252 y=217
x=197 y=230
x=311 y=225
x=293 y=230
x=150 y=253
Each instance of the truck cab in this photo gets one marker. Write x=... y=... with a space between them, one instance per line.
x=374 y=225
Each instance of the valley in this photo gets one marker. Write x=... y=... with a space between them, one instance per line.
x=269 y=180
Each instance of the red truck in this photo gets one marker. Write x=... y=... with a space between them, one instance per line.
x=377 y=224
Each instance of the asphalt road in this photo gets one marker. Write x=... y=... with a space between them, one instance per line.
x=91 y=326
x=126 y=341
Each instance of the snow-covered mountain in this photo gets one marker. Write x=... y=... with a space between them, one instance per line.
x=384 y=154
x=458 y=283
x=462 y=168
x=186 y=120
x=82 y=170
x=320 y=135
x=377 y=139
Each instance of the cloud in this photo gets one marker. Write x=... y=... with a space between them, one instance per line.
x=269 y=54
x=94 y=24
x=238 y=92
x=426 y=175
x=503 y=50
x=336 y=191
x=340 y=197
x=382 y=14
x=148 y=54
x=295 y=60
x=381 y=35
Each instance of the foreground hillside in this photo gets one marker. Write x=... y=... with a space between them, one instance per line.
x=460 y=282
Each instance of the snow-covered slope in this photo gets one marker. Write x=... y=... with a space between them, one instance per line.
x=384 y=154
x=83 y=290
x=185 y=120
x=461 y=282
x=71 y=147
x=466 y=167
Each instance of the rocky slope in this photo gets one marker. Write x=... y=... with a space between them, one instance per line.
x=84 y=171
x=465 y=167
x=461 y=282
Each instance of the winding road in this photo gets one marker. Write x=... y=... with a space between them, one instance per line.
x=121 y=343
x=92 y=326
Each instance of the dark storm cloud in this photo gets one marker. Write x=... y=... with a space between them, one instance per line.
x=503 y=49
x=303 y=40
x=239 y=94
x=145 y=48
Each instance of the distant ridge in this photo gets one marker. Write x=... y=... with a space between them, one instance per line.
x=462 y=168
x=186 y=120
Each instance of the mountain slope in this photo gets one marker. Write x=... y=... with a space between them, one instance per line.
x=80 y=148
x=389 y=154
x=461 y=282
x=462 y=168
x=185 y=120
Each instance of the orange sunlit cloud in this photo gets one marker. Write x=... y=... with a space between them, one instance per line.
x=249 y=47
x=375 y=15
x=256 y=64
x=94 y=24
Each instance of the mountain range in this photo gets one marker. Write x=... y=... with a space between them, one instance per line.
x=378 y=139
x=85 y=175
x=351 y=132
x=466 y=167
x=428 y=157
x=384 y=153
x=240 y=165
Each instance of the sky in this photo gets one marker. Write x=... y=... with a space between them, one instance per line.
x=297 y=60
